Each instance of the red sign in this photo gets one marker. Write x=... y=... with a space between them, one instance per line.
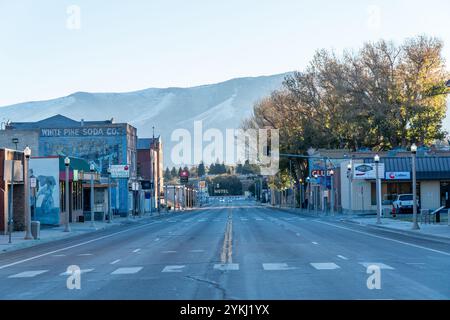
x=184 y=173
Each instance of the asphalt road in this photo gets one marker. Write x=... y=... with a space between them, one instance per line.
x=235 y=250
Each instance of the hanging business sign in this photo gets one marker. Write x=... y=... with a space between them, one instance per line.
x=366 y=171
x=398 y=175
x=120 y=171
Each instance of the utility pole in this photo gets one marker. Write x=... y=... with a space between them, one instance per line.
x=67 y=218
x=26 y=181
x=92 y=168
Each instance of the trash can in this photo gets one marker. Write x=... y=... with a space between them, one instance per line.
x=36 y=229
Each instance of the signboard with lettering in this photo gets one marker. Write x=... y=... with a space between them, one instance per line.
x=81 y=132
x=367 y=170
x=398 y=175
x=120 y=171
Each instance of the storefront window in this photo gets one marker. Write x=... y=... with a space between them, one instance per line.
x=389 y=190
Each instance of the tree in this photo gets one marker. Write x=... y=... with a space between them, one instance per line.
x=167 y=175
x=173 y=172
x=201 y=169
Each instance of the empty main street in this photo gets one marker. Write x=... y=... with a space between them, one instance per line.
x=232 y=250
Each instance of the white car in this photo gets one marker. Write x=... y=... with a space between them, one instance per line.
x=403 y=203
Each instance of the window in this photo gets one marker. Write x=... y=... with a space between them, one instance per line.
x=389 y=190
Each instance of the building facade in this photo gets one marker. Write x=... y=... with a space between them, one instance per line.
x=150 y=168
x=17 y=197
x=102 y=142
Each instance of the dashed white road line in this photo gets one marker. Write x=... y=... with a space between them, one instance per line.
x=342 y=257
x=176 y=268
x=197 y=251
x=325 y=265
x=115 y=261
x=314 y=242
x=28 y=274
x=227 y=266
x=277 y=266
x=378 y=264
x=129 y=270
x=136 y=250
x=85 y=254
x=66 y=273
x=168 y=251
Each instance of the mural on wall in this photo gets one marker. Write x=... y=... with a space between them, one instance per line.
x=98 y=150
x=47 y=189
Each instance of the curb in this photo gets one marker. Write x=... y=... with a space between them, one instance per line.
x=402 y=232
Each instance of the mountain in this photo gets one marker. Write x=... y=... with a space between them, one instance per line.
x=222 y=105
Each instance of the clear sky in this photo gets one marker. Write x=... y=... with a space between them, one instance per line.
x=47 y=50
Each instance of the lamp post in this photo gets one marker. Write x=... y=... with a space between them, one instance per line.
x=309 y=193
x=92 y=169
x=376 y=158
x=332 y=191
x=109 y=195
x=15 y=141
x=349 y=176
x=26 y=180
x=414 y=187
x=316 y=196
x=67 y=218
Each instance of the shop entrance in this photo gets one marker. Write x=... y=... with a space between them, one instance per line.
x=445 y=194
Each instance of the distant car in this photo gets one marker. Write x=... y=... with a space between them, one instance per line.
x=403 y=203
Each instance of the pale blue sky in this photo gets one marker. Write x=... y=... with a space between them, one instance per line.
x=131 y=45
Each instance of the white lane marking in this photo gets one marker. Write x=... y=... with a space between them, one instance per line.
x=342 y=257
x=115 y=261
x=259 y=219
x=173 y=268
x=85 y=254
x=129 y=270
x=168 y=251
x=58 y=255
x=297 y=234
x=384 y=238
x=136 y=250
x=198 y=250
x=277 y=266
x=379 y=264
x=314 y=242
x=73 y=246
x=81 y=271
x=227 y=266
x=201 y=220
x=28 y=274
x=325 y=265
x=157 y=239
x=244 y=219
x=415 y=263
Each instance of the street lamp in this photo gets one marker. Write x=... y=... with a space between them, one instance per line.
x=332 y=191
x=308 y=190
x=378 y=187
x=67 y=164
x=414 y=191
x=27 y=153
x=15 y=141
x=109 y=195
x=349 y=176
x=92 y=169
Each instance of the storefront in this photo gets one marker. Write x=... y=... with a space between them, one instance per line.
x=433 y=182
x=49 y=196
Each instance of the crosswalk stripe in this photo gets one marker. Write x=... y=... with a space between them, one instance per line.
x=28 y=274
x=66 y=273
x=173 y=268
x=277 y=266
x=325 y=265
x=129 y=270
x=227 y=266
x=378 y=264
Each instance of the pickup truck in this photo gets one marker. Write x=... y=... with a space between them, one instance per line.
x=403 y=203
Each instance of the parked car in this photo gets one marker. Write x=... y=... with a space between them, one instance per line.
x=403 y=203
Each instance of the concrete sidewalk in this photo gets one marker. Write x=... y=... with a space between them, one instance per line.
x=437 y=231
x=48 y=234
x=434 y=230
